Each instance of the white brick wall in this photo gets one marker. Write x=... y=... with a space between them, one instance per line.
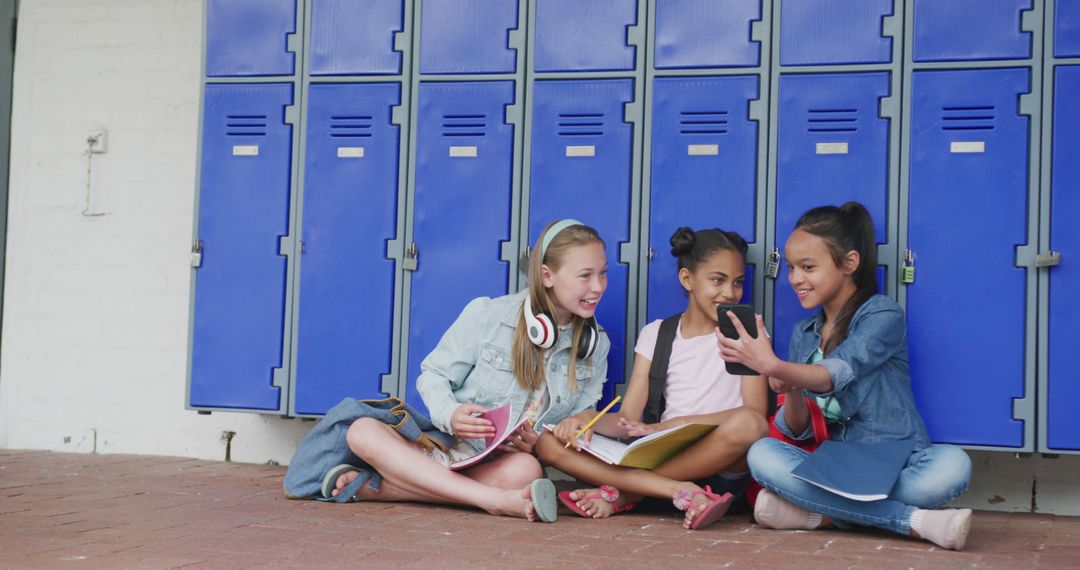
x=96 y=308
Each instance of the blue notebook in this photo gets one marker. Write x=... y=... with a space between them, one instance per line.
x=858 y=471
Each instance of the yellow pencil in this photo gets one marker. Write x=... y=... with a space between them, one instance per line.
x=593 y=421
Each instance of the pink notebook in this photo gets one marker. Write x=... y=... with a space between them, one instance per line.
x=501 y=417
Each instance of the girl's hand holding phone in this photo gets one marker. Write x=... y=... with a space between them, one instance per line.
x=467 y=424
x=756 y=353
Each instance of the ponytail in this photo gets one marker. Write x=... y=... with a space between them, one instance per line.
x=844 y=229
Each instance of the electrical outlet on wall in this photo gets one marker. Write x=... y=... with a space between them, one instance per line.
x=96 y=141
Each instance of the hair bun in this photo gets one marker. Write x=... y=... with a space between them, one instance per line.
x=682 y=241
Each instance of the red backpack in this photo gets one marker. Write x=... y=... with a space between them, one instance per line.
x=817 y=424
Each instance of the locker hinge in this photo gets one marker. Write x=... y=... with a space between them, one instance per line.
x=772 y=265
x=632 y=112
x=1029 y=104
x=889 y=107
x=626 y=252
x=907 y=268
x=401 y=41
x=388 y=384
x=506 y=251
x=397 y=115
x=890 y=25
x=758 y=110
x=196 y=253
x=649 y=253
x=759 y=31
x=1048 y=259
x=301 y=244
x=512 y=114
x=1030 y=20
x=515 y=39
x=412 y=256
x=635 y=35
x=1026 y=256
x=292 y=115
x=280 y=378
x=292 y=42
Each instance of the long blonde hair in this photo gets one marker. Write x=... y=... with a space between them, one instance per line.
x=529 y=358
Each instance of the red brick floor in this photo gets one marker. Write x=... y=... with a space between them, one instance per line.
x=124 y=511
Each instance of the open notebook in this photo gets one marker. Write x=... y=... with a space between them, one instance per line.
x=501 y=417
x=649 y=451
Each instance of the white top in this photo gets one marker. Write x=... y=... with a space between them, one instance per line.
x=697 y=382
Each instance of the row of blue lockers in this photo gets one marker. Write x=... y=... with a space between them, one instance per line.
x=359 y=37
x=967 y=210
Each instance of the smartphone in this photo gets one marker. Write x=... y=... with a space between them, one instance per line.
x=745 y=314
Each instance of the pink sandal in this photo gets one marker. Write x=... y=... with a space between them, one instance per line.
x=607 y=493
x=684 y=499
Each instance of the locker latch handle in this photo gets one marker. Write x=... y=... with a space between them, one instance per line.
x=907 y=268
x=772 y=266
x=1048 y=259
x=412 y=255
x=196 y=253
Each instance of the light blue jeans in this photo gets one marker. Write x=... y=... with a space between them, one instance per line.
x=933 y=476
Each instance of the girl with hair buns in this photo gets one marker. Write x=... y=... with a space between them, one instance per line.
x=540 y=350
x=698 y=389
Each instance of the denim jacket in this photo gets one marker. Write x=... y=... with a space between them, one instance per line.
x=870 y=376
x=472 y=364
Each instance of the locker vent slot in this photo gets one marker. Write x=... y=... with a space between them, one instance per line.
x=464 y=125
x=969 y=118
x=581 y=124
x=350 y=126
x=703 y=122
x=245 y=125
x=843 y=120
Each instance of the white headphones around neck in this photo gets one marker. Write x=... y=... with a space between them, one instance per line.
x=541 y=328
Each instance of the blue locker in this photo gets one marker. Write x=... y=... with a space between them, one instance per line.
x=345 y=308
x=584 y=35
x=350 y=37
x=1063 y=423
x=467 y=36
x=704 y=172
x=819 y=32
x=1067 y=28
x=967 y=213
x=832 y=147
x=581 y=168
x=958 y=30
x=462 y=207
x=248 y=37
x=244 y=185
x=706 y=33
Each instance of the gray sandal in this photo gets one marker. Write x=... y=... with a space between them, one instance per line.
x=329 y=482
x=543 y=495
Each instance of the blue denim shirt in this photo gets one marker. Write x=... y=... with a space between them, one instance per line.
x=472 y=364
x=870 y=376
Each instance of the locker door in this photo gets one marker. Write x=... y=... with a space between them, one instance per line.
x=1067 y=28
x=967 y=213
x=345 y=310
x=248 y=37
x=706 y=33
x=239 y=308
x=832 y=147
x=1063 y=423
x=461 y=211
x=956 y=30
x=704 y=172
x=581 y=168
x=584 y=35
x=350 y=37
x=467 y=36
x=817 y=32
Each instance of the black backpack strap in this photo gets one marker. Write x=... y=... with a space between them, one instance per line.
x=654 y=407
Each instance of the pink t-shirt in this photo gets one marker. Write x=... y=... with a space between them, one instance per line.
x=697 y=382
